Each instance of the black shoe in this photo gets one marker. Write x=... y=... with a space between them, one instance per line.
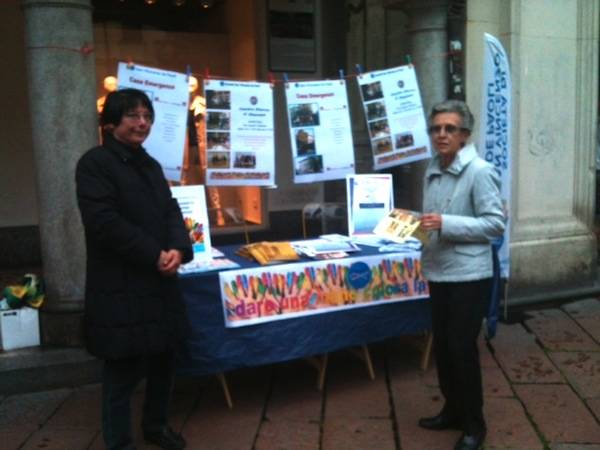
x=470 y=442
x=440 y=422
x=166 y=439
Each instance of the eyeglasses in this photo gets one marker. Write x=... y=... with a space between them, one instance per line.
x=139 y=117
x=449 y=129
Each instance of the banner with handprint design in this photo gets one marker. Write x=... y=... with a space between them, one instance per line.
x=264 y=294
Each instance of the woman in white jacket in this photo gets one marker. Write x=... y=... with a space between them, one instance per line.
x=462 y=213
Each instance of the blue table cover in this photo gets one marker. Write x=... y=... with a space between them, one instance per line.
x=212 y=348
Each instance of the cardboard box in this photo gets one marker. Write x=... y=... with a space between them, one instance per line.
x=19 y=328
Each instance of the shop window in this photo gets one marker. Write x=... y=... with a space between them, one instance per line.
x=172 y=35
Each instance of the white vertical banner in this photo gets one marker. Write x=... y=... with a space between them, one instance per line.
x=168 y=92
x=320 y=131
x=495 y=129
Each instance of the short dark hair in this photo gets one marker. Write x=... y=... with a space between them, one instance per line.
x=455 y=106
x=120 y=102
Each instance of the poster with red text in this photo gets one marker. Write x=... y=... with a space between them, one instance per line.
x=168 y=92
x=320 y=131
x=240 y=149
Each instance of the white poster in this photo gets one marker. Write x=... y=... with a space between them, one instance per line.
x=394 y=114
x=240 y=149
x=495 y=128
x=192 y=202
x=320 y=130
x=169 y=94
x=370 y=197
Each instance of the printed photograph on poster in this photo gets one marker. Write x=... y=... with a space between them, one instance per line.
x=169 y=94
x=370 y=197
x=239 y=133
x=320 y=130
x=395 y=117
x=192 y=202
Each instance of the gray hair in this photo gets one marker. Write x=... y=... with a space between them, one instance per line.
x=455 y=106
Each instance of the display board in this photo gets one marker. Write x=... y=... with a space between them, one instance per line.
x=240 y=148
x=168 y=92
x=192 y=202
x=394 y=115
x=320 y=130
x=369 y=198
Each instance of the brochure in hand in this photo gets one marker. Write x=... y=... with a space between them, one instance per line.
x=399 y=225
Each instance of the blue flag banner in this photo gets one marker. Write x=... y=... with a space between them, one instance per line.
x=495 y=130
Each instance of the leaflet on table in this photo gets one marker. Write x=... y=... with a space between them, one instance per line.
x=192 y=202
x=168 y=92
x=320 y=131
x=399 y=225
x=209 y=265
x=240 y=148
x=394 y=114
x=286 y=291
x=369 y=198
x=314 y=247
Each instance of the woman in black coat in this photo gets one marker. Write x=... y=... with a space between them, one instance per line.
x=135 y=239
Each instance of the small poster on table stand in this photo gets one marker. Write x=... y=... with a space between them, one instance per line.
x=192 y=202
x=370 y=197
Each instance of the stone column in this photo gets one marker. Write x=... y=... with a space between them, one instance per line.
x=61 y=75
x=428 y=36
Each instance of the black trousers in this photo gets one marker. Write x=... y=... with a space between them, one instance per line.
x=457 y=313
x=119 y=380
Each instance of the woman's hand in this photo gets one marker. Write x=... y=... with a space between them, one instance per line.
x=431 y=221
x=169 y=261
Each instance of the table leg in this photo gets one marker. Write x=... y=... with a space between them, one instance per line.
x=365 y=356
x=223 y=382
x=319 y=363
x=426 y=350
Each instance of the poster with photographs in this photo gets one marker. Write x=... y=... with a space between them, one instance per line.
x=192 y=202
x=395 y=119
x=320 y=131
x=370 y=197
x=240 y=149
x=168 y=92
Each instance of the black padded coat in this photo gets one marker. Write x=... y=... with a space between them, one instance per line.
x=129 y=216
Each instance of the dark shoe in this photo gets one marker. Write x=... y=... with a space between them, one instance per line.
x=166 y=439
x=440 y=422
x=470 y=442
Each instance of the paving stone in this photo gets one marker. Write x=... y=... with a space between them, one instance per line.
x=594 y=405
x=413 y=398
x=61 y=439
x=14 y=437
x=521 y=358
x=294 y=394
x=213 y=426
x=357 y=434
x=559 y=414
x=582 y=370
x=350 y=392
x=81 y=410
x=557 y=331
x=587 y=314
x=282 y=434
x=508 y=426
x=574 y=447
x=495 y=383
x=33 y=408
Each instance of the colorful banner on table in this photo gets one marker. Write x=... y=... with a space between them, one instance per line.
x=369 y=198
x=394 y=114
x=320 y=130
x=271 y=293
x=495 y=129
x=240 y=148
x=192 y=202
x=168 y=92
